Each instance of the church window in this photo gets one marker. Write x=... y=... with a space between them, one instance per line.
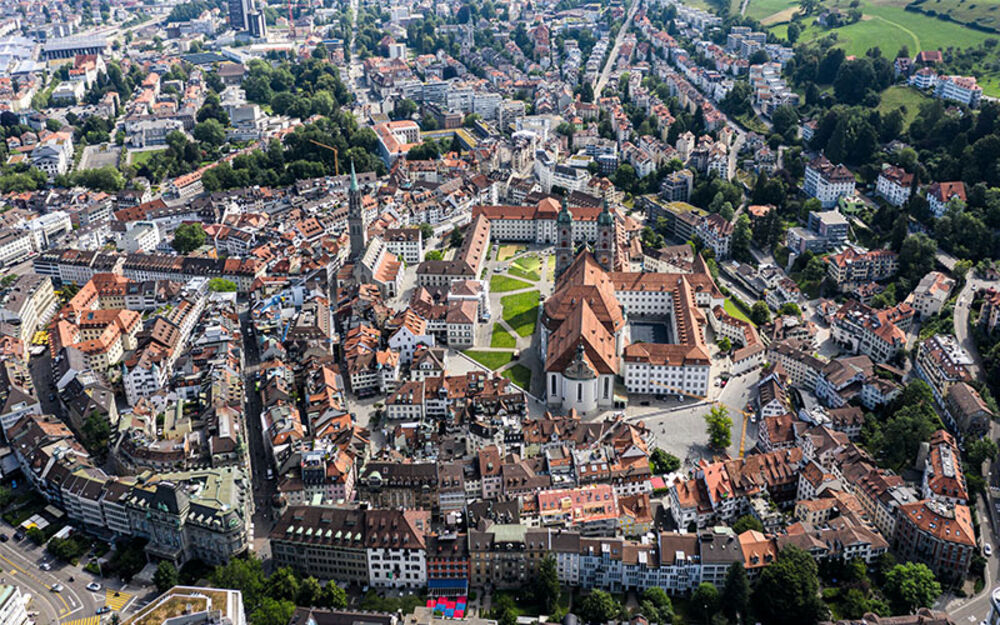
x=579 y=392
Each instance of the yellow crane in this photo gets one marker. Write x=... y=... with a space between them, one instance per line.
x=745 y=413
x=336 y=154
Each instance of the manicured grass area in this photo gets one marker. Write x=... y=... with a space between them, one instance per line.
x=521 y=312
x=899 y=96
x=517 y=272
x=490 y=360
x=528 y=263
x=760 y=9
x=734 y=311
x=520 y=375
x=982 y=13
x=551 y=264
x=509 y=251
x=502 y=284
x=141 y=158
x=889 y=27
x=501 y=338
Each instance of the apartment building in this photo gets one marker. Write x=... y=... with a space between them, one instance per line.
x=931 y=294
x=26 y=306
x=939 y=194
x=941 y=361
x=938 y=535
x=894 y=184
x=961 y=89
x=851 y=268
x=879 y=334
x=827 y=182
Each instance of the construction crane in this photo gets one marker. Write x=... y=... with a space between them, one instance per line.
x=716 y=402
x=336 y=154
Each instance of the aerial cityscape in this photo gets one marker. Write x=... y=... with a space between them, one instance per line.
x=568 y=312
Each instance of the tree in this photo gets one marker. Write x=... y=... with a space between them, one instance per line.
x=906 y=429
x=221 y=285
x=705 y=600
x=979 y=451
x=273 y=612
x=188 y=237
x=625 y=177
x=96 y=431
x=547 y=588
x=599 y=607
x=404 y=109
x=166 y=576
x=742 y=234
x=504 y=610
x=426 y=231
x=657 y=598
x=725 y=344
x=333 y=596
x=243 y=574
x=720 y=427
x=282 y=585
x=455 y=239
x=793 y=32
x=787 y=592
x=746 y=523
x=736 y=590
x=309 y=592
x=916 y=258
x=661 y=462
x=36 y=535
x=209 y=131
x=319 y=52
x=785 y=119
x=760 y=314
x=790 y=308
x=434 y=255
x=910 y=586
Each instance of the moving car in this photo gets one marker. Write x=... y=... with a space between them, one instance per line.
x=93 y=586
x=103 y=610
x=45 y=566
x=57 y=588
x=987 y=550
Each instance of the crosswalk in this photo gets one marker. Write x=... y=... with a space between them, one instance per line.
x=87 y=620
x=116 y=599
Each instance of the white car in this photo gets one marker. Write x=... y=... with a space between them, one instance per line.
x=987 y=550
x=93 y=586
x=57 y=587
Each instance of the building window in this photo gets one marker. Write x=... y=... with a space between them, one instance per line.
x=579 y=392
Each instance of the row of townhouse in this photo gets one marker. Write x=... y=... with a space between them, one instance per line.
x=201 y=514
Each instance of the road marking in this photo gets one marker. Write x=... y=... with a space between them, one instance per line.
x=87 y=620
x=118 y=602
x=61 y=598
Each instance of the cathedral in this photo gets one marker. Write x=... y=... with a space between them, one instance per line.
x=586 y=334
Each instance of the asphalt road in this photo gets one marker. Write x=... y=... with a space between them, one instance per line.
x=21 y=560
x=602 y=79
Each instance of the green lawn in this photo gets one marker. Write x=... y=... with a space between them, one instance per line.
x=501 y=338
x=908 y=98
x=761 y=9
x=551 y=264
x=889 y=27
x=521 y=312
x=982 y=13
x=517 y=272
x=502 y=284
x=734 y=311
x=520 y=375
x=141 y=158
x=490 y=360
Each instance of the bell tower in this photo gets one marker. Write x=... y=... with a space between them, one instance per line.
x=564 y=239
x=356 y=219
x=604 y=248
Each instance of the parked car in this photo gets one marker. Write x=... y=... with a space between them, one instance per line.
x=987 y=550
x=57 y=588
x=103 y=609
x=4 y=538
x=45 y=566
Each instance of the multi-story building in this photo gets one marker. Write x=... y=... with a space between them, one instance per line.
x=962 y=89
x=943 y=478
x=827 y=182
x=850 y=269
x=939 y=194
x=938 y=535
x=941 y=361
x=716 y=233
x=27 y=305
x=930 y=294
x=405 y=243
x=894 y=184
x=880 y=334
x=12 y=605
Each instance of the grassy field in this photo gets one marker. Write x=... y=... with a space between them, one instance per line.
x=520 y=375
x=508 y=251
x=521 y=312
x=762 y=9
x=888 y=26
x=502 y=284
x=734 y=311
x=490 y=360
x=501 y=338
x=141 y=158
x=551 y=268
x=983 y=13
x=907 y=98
x=526 y=267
